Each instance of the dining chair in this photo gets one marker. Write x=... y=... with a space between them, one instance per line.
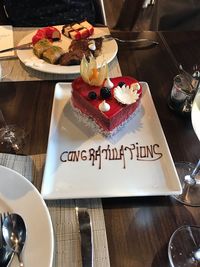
x=100 y=16
x=175 y=15
x=36 y=13
x=129 y=14
x=3 y=19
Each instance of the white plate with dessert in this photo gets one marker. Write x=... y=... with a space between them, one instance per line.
x=28 y=57
x=129 y=157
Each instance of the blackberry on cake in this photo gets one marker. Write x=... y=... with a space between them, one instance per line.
x=120 y=84
x=92 y=95
x=105 y=93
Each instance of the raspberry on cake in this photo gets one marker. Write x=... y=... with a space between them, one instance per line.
x=106 y=108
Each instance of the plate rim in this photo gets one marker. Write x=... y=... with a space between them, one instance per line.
x=42 y=201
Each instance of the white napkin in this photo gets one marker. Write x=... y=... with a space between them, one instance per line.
x=6 y=40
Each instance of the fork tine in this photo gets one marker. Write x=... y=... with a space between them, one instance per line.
x=2 y=217
x=5 y=214
x=1 y=235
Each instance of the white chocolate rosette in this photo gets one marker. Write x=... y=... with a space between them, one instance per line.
x=125 y=95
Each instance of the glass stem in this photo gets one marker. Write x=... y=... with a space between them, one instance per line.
x=2 y=119
x=196 y=170
x=191 y=179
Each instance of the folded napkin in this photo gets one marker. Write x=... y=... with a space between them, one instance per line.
x=6 y=40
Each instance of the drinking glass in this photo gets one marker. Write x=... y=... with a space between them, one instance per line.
x=189 y=174
x=12 y=137
x=182 y=94
x=184 y=247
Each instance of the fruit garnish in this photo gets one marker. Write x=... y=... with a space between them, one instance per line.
x=120 y=84
x=94 y=74
x=92 y=95
x=105 y=93
x=90 y=73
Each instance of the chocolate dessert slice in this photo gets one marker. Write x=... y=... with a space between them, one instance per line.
x=80 y=48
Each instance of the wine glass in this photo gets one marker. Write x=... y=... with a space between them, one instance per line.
x=12 y=137
x=184 y=247
x=184 y=244
x=189 y=173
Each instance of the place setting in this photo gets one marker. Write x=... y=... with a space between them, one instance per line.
x=101 y=147
x=13 y=139
x=184 y=243
x=19 y=220
x=33 y=67
x=27 y=64
x=185 y=101
x=92 y=142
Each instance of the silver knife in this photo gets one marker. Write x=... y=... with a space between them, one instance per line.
x=85 y=236
x=18 y=47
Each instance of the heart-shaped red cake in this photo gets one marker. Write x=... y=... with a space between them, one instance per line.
x=88 y=100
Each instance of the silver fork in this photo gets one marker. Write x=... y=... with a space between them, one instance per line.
x=109 y=37
x=141 y=40
x=1 y=234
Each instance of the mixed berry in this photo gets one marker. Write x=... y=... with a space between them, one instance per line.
x=92 y=95
x=105 y=93
x=120 y=84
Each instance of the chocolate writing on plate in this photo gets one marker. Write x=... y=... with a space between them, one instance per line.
x=123 y=153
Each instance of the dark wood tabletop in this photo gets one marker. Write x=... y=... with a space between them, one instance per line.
x=138 y=228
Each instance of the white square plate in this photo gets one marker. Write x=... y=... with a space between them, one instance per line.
x=134 y=162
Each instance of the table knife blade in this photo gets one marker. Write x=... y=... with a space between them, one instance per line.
x=85 y=229
x=18 y=47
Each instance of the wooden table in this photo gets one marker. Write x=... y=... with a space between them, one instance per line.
x=138 y=228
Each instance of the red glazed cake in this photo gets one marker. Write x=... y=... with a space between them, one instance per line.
x=51 y=33
x=87 y=99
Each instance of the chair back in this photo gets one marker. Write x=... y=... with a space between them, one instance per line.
x=3 y=18
x=128 y=15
